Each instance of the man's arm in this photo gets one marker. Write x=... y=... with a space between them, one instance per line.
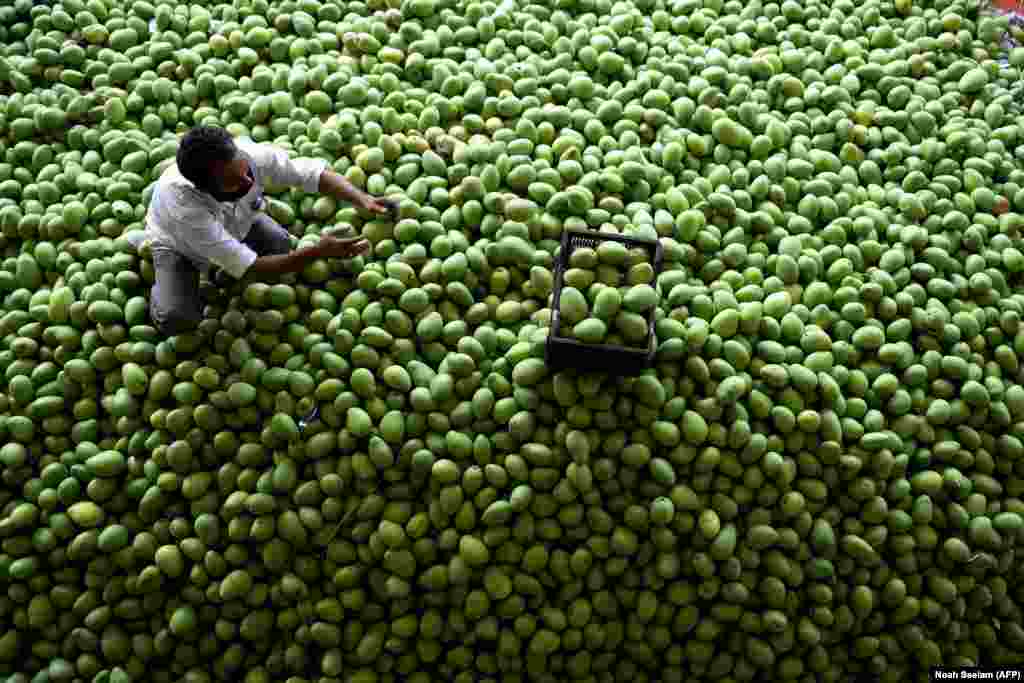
x=292 y=262
x=312 y=175
x=207 y=236
x=338 y=186
x=329 y=246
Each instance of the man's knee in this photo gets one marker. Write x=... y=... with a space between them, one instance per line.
x=271 y=238
x=281 y=243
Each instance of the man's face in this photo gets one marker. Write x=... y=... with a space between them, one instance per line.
x=233 y=177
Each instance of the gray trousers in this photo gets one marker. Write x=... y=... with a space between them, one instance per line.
x=175 y=303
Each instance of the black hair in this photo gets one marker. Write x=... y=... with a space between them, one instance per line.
x=199 y=149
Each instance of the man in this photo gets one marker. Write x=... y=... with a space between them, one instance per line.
x=205 y=215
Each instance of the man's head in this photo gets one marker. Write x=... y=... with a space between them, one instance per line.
x=207 y=156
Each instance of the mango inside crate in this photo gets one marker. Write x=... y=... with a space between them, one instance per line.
x=564 y=351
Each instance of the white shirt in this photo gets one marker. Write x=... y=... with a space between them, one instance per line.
x=207 y=232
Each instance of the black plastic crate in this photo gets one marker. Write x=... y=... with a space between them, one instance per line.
x=562 y=352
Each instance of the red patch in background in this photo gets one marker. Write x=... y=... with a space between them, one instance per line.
x=1013 y=8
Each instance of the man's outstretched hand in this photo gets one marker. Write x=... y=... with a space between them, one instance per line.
x=382 y=206
x=339 y=187
x=344 y=248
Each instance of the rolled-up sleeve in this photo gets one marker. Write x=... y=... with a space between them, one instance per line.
x=207 y=236
x=279 y=168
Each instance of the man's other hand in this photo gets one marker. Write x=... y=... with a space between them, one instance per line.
x=344 y=248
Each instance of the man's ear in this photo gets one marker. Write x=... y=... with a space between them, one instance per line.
x=209 y=180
